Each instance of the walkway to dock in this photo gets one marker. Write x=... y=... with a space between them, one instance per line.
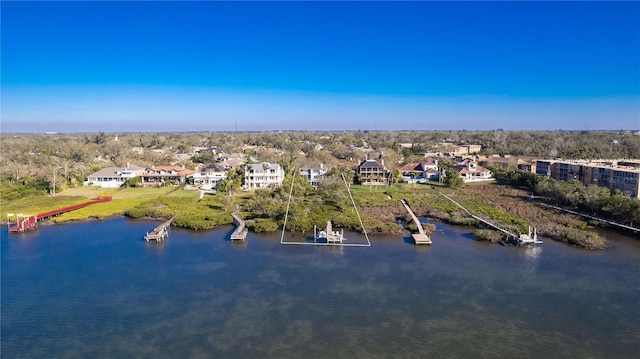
x=25 y=223
x=479 y=218
x=241 y=230
x=421 y=237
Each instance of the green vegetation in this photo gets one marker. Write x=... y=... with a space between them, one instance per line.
x=26 y=187
x=38 y=204
x=123 y=200
x=205 y=214
x=452 y=178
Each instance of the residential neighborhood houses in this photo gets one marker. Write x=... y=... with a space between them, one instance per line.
x=613 y=174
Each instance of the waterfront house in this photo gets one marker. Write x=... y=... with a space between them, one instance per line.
x=209 y=177
x=158 y=175
x=113 y=177
x=262 y=175
x=313 y=172
x=372 y=172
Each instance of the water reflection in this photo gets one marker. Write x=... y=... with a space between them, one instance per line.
x=532 y=255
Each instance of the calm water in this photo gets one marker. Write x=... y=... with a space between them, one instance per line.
x=97 y=290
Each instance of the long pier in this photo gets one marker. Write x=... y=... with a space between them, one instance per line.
x=241 y=230
x=421 y=237
x=479 y=218
x=29 y=222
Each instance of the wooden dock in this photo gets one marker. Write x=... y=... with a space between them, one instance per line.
x=241 y=230
x=161 y=232
x=421 y=237
x=28 y=222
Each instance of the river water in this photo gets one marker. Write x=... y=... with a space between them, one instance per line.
x=98 y=290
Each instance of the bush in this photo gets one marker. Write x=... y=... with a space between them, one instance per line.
x=262 y=225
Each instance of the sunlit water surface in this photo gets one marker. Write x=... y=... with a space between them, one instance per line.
x=98 y=290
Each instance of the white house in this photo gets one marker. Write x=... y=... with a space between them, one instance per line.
x=113 y=177
x=313 y=172
x=262 y=175
x=470 y=171
x=419 y=172
x=209 y=177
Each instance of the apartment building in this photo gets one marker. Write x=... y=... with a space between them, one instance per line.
x=620 y=175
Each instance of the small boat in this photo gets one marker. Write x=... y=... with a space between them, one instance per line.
x=528 y=239
x=328 y=234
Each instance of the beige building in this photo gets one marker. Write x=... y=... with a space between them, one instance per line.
x=623 y=175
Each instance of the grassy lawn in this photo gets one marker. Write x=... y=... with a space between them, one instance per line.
x=122 y=200
x=37 y=204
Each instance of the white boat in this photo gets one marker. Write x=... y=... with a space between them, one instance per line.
x=328 y=234
x=527 y=239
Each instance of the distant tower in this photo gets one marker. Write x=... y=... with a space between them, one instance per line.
x=116 y=139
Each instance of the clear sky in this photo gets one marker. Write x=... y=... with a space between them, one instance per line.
x=190 y=66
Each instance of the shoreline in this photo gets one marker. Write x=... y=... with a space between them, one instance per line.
x=433 y=216
x=383 y=214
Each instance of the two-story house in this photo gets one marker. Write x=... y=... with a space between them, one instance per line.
x=209 y=177
x=420 y=171
x=313 y=172
x=470 y=171
x=157 y=175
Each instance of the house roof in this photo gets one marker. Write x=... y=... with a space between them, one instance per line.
x=272 y=166
x=180 y=171
x=113 y=171
x=411 y=167
x=232 y=162
x=214 y=168
x=312 y=166
x=478 y=169
x=165 y=168
x=371 y=164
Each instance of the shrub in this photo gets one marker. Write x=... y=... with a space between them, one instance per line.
x=262 y=225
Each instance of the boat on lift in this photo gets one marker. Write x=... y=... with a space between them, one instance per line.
x=528 y=239
x=328 y=234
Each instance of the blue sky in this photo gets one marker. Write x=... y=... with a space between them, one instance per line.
x=175 y=66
